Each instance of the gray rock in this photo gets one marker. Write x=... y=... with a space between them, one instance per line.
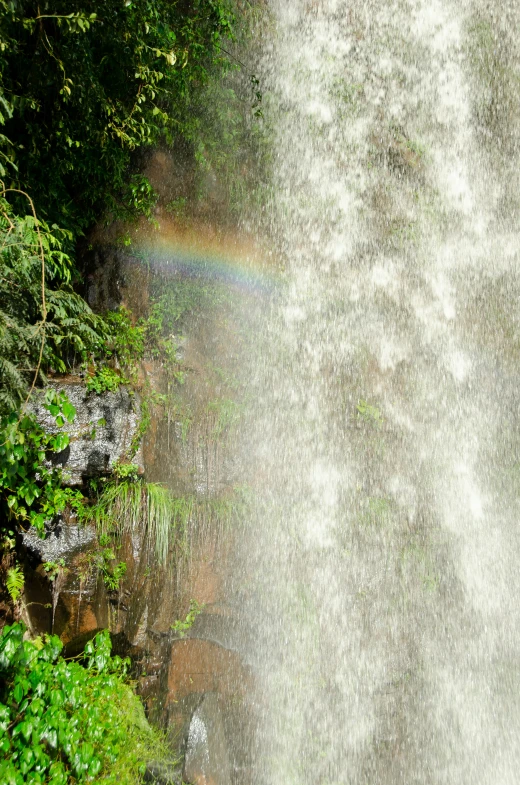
x=64 y=540
x=207 y=761
x=100 y=435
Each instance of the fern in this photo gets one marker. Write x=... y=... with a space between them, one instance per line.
x=69 y=328
x=15 y=583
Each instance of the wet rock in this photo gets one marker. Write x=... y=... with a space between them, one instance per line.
x=199 y=666
x=61 y=541
x=216 y=628
x=116 y=278
x=206 y=760
x=101 y=434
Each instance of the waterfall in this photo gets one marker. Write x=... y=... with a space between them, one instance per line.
x=379 y=568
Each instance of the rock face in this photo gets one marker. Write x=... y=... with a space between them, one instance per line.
x=197 y=682
x=62 y=541
x=101 y=434
x=199 y=666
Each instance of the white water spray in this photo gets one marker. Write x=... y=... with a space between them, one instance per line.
x=380 y=569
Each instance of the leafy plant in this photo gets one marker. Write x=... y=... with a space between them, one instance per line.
x=139 y=196
x=369 y=414
x=30 y=490
x=115 y=576
x=182 y=626
x=228 y=413
x=127 y=70
x=126 y=471
x=54 y=568
x=62 y=722
x=177 y=207
x=126 y=342
x=122 y=506
x=112 y=573
x=105 y=379
x=14 y=583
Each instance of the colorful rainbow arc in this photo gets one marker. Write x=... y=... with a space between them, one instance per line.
x=218 y=262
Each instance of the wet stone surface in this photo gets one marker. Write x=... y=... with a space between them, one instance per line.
x=101 y=434
x=62 y=541
x=207 y=761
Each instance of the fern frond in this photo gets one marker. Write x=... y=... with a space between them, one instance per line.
x=15 y=583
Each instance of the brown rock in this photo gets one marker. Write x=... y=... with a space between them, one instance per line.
x=199 y=666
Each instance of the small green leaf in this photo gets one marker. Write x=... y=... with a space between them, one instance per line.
x=69 y=411
x=60 y=442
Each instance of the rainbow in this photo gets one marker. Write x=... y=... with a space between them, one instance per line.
x=202 y=253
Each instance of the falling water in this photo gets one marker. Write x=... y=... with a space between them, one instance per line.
x=379 y=569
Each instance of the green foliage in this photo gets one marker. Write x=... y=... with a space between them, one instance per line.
x=182 y=626
x=174 y=301
x=230 y=140
x=177 y=207
x=44 y=324
x=114 y=576
x=228 y=413
x=103 y=561
x=15 y=583
x=62 y=722
x=84 y=83
x=113 y=573
x=126 y=471
x=105 y=379
x=126 y=341
x=369 y=414
x=377 y=511
x=54 y=568
x=129 y=341
x=144 y=423
x=30 y=491
x=139 y=196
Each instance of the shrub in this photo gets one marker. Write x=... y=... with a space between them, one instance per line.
x=62 y=722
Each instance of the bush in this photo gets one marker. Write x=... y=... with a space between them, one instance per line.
x=62 y=722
